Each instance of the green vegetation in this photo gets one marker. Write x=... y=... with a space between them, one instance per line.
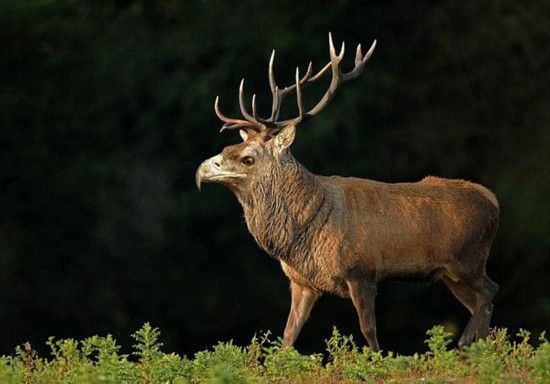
x=98 y=360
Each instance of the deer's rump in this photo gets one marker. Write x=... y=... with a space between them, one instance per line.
x=410 y=229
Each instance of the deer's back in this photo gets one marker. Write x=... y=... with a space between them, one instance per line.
x=401 y=229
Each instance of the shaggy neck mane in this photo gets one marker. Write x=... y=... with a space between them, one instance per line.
x=282 y=206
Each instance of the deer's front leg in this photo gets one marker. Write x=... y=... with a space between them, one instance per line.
x=303 y=299
x=363 y=295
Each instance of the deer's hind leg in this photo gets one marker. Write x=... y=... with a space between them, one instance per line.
x=475 y=293
x=487 y=292
x=462 y=292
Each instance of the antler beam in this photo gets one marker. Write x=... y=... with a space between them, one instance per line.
x=272 y=125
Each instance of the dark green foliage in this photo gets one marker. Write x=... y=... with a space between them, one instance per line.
x=97 y=360
x=106 y=110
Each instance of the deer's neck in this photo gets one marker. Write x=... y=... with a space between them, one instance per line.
x=281 y=207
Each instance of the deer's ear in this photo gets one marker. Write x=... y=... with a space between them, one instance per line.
x=284 y=138
x=244 y=134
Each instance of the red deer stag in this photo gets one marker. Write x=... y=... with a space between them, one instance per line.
x=343 y=235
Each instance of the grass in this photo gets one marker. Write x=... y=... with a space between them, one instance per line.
x=497 y=359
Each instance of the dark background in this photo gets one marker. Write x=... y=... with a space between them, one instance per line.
x=106 y=110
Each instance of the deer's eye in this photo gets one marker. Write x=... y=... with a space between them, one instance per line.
x=248 y=161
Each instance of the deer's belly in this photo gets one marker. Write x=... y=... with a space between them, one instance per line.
x=315 y=278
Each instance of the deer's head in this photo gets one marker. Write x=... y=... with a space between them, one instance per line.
x=266 y=141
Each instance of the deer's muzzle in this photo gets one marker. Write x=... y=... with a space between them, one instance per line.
x=211 y=171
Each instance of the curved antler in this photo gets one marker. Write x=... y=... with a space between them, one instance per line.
x=271 y=125
x=233 y=123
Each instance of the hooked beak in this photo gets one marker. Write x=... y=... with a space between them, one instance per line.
x=210 y=172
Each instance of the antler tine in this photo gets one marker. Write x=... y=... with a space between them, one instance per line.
x=338 y=77
x=360 y=62
x=333 y=56
x=308 y=79
x=254 y=109
x=303 y=81
x=309 y=70
x=242 y=107
x=358 y=54
x=299 y=101
x=271 y=76
x=231 y=123
x=275 y=106
x=254 y=119
x=220 y=115
x=280 y=94
x=320 y=73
